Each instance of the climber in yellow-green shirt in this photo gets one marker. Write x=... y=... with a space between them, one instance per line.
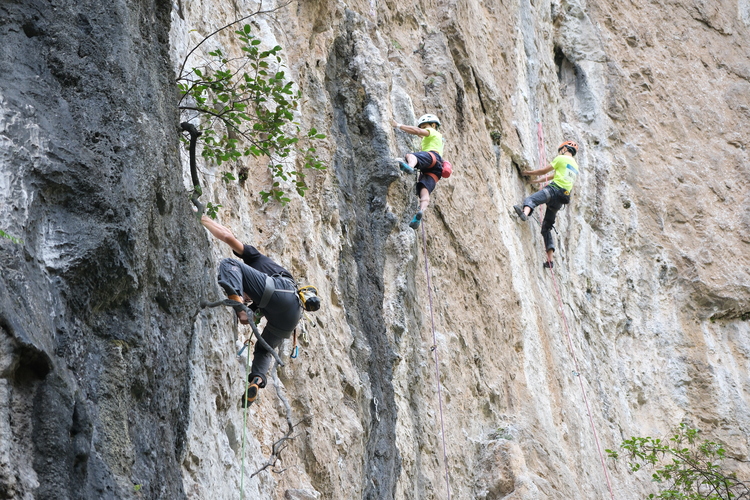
x=428 y=161
x=555 y=194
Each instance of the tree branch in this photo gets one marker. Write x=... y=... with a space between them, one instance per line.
x=256 y=13
x=282 y=442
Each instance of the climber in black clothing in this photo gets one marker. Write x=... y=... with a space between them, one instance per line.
x=270 y=287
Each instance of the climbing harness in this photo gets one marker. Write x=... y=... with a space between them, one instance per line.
x=434 y=161
x=434 y=349
x=308 y=295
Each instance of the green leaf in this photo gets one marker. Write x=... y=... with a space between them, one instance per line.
x=15 y=240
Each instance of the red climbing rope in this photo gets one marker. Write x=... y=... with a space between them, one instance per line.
x=580 y=379
x=542 y=152
x=543 y=163
x=437 y=361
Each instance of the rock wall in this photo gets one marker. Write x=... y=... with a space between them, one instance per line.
x=96 y=305
x=114 y=382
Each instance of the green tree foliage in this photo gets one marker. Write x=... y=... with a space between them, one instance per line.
x=684 y=466
x=247 y=107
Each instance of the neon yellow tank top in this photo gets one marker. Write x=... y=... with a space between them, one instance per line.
x=433 y=142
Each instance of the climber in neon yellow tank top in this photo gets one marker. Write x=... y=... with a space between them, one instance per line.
x=554 y=195
x=429 y=161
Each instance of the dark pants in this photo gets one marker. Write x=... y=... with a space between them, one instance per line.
x=554 y=197
x=282 y=313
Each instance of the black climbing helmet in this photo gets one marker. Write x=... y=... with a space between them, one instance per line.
x=309 y=297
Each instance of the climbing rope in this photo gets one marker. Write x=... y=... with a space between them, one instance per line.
x=437 y=361
x=261 y=341
x=244 y=429
x=577 y=373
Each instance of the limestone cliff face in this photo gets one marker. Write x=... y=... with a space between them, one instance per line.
x=114 y=383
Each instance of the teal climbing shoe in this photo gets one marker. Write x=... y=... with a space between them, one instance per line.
x=405 y=168
x=414 y=224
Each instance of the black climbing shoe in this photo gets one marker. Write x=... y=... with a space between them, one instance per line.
x=548 y=265
x=519 y=211
x=414 y=224
x=252 y=392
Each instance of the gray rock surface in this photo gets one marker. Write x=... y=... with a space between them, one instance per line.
x=114 y=383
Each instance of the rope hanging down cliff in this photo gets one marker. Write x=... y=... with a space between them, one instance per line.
x=580 y=380
x=540 y=137
x=434 y=349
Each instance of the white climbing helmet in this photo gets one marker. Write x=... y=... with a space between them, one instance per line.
x=428 y=119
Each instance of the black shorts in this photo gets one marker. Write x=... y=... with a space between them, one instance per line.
x=424 y=161
x=427 y=182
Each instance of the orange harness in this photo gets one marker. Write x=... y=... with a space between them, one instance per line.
x=434 y=161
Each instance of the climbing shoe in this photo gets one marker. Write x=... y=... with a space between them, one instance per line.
x=519 y=211
x=414 y=224
x=252 y=392
x=548 y=265
x=405 y=167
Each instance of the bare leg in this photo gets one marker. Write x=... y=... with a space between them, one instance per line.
x=424 y=199
x=411 y=160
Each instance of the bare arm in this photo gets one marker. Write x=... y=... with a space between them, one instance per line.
x=541 y=180
x=221 y=233
x=541 y=171
x=411 y=130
